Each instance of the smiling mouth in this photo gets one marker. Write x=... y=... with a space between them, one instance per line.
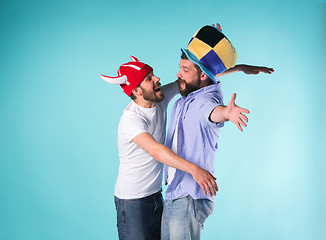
x=157 y=90
x=182 y=84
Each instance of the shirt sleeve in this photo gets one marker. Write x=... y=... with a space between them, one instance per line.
x=132 y=124
x=208 y=105
x=170 y=91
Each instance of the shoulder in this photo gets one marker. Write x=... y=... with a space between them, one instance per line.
x=213 y=94
x=131 y=124
x=132 y=115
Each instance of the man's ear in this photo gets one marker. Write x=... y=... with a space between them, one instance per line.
x=203 y=76
x=137 y=91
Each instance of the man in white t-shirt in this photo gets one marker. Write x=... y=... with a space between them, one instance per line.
x=141 y=135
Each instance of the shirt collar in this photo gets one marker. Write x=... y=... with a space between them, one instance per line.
x=204 y=90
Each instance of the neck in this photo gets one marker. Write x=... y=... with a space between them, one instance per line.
x=206 y=82
x=144 y=103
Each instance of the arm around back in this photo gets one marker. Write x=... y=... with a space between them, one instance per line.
x=164 y=155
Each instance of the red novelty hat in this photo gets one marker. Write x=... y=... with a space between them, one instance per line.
x=130 y=75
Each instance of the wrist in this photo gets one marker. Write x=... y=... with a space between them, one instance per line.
x=227 y=114
x=193 y=168
x=239 y=68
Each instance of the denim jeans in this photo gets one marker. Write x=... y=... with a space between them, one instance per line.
x=139 y=218
x=183 y=218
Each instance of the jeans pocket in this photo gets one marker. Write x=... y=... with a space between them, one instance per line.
x=204 y=208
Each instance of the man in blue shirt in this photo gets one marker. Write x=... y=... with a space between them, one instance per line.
x=194 y=126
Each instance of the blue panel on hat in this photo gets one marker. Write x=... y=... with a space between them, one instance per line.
x=213 y=63
x=190 y=40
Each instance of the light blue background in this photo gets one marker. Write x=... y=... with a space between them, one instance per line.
x=59 y=157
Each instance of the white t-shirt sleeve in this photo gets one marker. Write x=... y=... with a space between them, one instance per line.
x=132 y=124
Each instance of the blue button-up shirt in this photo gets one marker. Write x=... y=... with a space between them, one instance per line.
x=196 y=138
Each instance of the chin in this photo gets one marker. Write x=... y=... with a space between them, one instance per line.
x=184 y=93
x=160 y=98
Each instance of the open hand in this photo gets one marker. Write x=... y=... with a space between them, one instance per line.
x=206 y=181
x=235 y=113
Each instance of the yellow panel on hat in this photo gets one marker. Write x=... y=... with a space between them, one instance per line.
x=199 y=48
x=225 y=50
x=195 y=33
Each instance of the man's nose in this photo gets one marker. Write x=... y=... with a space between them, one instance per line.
x=179 y=74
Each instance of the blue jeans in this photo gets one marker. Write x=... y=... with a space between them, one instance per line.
x=139 y=218
x=183 y=218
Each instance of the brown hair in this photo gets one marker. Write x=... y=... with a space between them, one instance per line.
x=132 y=96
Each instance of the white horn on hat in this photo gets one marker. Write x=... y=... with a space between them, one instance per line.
x=115 y=80
x=134 y=59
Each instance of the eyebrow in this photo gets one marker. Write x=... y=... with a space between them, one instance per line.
x=182 y=66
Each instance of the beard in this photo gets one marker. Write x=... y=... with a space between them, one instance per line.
x=189 y=88
x=153 y=96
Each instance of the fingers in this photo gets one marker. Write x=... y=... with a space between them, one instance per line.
x=212 y=184
x=244 y=110
x=207 y=189
x=215 y=186
x=234 y=95
x=210 y=191
x=209 y=185
x=239 y=127
x=256 y=69
x=232 y=101
x=212 y=176
x=219 y=27
x=236 y=114
x=204 y=188
x=241 y=122
x=213 y=181
x=265 y=70
x=268 y=70
x=244 y=117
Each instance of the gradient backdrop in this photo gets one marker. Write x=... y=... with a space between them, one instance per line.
x=58 y=141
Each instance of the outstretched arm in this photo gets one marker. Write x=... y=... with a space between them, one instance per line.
x=164 y=155
x=230 y=112
x=247 y=69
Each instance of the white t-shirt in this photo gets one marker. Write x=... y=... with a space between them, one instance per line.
x=174 y=148
x=139 y=174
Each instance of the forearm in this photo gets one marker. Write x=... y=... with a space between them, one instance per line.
x=164 y=155
x=247 y=69
x=234 y=69
x=219 y=114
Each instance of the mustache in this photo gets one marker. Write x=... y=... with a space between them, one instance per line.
x=157 y=86
x=179 y=81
